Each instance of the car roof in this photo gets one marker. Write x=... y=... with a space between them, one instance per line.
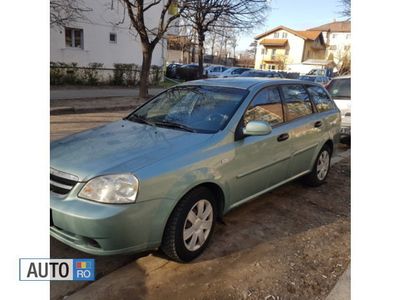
x=243 y=82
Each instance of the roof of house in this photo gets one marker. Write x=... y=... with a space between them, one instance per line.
x=274 y=42
x=305 y=34
x=339 y=26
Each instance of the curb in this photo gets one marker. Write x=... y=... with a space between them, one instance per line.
x=342 y=288
x=81 y=110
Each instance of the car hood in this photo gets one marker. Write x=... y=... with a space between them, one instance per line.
x=119 y=147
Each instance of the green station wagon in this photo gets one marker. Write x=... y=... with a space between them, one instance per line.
x=161 y=177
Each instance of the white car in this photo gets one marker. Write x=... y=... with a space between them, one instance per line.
x=340 y=90
x=214 y=71
x=233 y=72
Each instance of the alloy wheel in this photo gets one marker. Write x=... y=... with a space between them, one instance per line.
x=198 y=225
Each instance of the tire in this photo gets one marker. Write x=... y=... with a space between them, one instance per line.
x=320 y=169
x=188 y=219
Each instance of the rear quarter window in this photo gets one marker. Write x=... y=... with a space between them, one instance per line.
x=320 y=98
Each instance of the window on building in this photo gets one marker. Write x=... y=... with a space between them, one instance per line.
x=333 y=35
x=296 y=102
x=262 y=51
x=273 y=53
x=266 y=106
x=74 y=38
x=276 y=35
x=113 y=38
x=348 y=36
x=284 y=35
x=321 y=99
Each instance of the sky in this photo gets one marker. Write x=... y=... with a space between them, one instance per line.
x=297 y=15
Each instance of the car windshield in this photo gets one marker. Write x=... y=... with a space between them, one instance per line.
x=307 y=78
x=203 y=109
x=340 y=88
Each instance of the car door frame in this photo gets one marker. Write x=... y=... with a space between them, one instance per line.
x=269 y=167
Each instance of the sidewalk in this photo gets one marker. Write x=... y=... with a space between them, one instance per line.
x=341 y=291
x=88 y=100
x=85 y=93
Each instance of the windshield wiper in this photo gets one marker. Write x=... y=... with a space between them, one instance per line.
x=175 y=125
x=139 y=119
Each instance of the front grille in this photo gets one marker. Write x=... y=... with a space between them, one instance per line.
x=61 y=182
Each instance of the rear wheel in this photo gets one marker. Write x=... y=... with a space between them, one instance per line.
x=190 y=227
x=321 y=167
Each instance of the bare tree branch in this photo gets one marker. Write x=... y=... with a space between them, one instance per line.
x=63 y=12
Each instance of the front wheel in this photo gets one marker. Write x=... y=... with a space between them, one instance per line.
x=321 y=168
x=190 y=226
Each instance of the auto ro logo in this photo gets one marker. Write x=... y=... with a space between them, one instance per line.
x=41 y=269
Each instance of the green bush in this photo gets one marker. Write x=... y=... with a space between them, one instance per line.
x=90 y=75
x=125 y=74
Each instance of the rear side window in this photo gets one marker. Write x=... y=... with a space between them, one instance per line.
x=321 y=98
x=266 y=106
x=297 y=102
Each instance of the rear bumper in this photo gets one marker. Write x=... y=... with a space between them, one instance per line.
x=104 y=229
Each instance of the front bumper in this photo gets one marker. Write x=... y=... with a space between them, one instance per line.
x=106 y=229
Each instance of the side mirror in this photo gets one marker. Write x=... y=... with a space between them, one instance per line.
x=257 y=128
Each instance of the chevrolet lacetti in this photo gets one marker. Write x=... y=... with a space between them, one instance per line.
x=161 y=177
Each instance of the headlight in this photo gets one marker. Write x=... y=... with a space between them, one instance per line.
x=120 y=188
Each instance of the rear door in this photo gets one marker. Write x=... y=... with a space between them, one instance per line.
x=305 y=127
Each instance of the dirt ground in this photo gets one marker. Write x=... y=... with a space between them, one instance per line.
x=292 y=243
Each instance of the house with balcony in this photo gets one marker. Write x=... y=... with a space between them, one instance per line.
x=283 y=48
x=337 y=35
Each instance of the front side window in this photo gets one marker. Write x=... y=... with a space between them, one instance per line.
x=320 y=98
x=203 y=109
x=266 y=106
x=74 y=38
x=296 y=101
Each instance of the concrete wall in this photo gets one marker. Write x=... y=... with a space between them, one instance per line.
x=96 y=44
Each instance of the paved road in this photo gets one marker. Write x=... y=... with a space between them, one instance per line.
x=84 y=93
x=310 y=227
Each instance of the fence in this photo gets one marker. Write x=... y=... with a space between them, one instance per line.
x=95 y=74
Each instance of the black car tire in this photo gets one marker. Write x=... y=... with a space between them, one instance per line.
x=173 y=244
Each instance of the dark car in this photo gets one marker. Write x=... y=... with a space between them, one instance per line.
x=171 y=70
x=315 y=78
x=259 y=73
x=188 y=72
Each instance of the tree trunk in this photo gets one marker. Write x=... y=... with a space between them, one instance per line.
x=147 y=53
x=201 y=38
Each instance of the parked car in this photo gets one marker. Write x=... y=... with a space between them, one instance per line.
x=233 y=72
x=171 y=70
x=315 y=78
x=260 y=73
x=188 y=72
x=340 y=90
x=214 y=71
x=163 y=175
x=327 y=72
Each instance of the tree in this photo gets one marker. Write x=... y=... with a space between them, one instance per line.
x=205 y=15
x=346 y=4
x=62 y=12
x=149 y=37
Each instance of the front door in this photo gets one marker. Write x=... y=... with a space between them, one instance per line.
x=261 y=161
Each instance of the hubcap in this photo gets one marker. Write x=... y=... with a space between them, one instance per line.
x=323 y=165
x=198 y=225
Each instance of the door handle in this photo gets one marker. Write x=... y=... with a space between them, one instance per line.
x=318 y=124
x=283 y=137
